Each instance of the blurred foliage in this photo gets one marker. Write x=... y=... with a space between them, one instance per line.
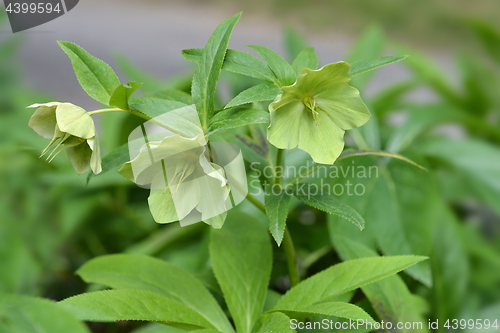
x=53 y=222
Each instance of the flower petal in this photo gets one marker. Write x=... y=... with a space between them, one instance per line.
x=43 y=121
x=95 y=159
x=79 y=156
x=324 y=141
x=344 y=106
x=162 y=206
x=74 y=120
x=285 y=128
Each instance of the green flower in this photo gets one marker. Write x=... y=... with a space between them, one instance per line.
x=314 y=112
x=69 y=128
x=185 y=185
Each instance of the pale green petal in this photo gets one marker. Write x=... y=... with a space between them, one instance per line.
x=324 y=142
x=313 y=82
x=74 y=120
x=43 y=121
x=95 y=159
x=79 y=156
x=214 y=200
x=162 y=206
x=285 y=128
x=216 y=222
x=344 y=106
x=127 y=172
x=48 y=105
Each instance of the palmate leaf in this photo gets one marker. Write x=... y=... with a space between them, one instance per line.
x=23 y=314
x=241 y=257
x=115 y=305
x=346 y=276
x=149 y=274
x=208 y=70
x=95 y=76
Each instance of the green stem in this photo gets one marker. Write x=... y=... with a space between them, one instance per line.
x=106 y=110
x=289 y=249
x=279 y=168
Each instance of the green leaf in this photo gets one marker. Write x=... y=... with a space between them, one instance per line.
x=115 y=305
x=279 y=66
x=153 y=107
x=122 y=94
x=241 y=257
x=159 y=328
x=294 y=42
x=273 y=322
x=174 y=95
x=262 y=92
x=331 y=205
x=367 y=47
x=365 y=152
x=208 y=70
x=336 y=309
x=390 y=297
x=238 y=62
x=364 y=66
x=94 y=75
x=306 y=59
x=116 y=158
x=126 y=271
x=233 y=118
x=277 y=211
x=342 y=278
x=23 y=314
x=489 y=36
x=478 y=161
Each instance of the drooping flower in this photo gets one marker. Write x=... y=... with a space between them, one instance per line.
x=186 y=183
x=70 y=128
x=314 y=113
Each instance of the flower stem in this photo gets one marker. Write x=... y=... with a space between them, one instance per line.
x=279 y=168
x=288 y=247
x=293 y=271
x=106 y=110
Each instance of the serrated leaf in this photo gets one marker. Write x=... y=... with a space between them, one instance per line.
x=331 y=205
x=364 y=66
x=126 y=271
x=275 y=322
x=122 y=94
x=233 y=118
x=115 y=305
x=306 y=59
x=266 y=91
x=25 y=314
x=238 y=62
x=277 y=211
x=208 y=70
x=279 y=66
x=241 y=257
x=336 y=309
x=342 y=278
x=95 y=76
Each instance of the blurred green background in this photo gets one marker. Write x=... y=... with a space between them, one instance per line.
x=440 y=107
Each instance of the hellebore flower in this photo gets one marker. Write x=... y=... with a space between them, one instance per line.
x=185 y=184
x=314 y=112
x=75 y=130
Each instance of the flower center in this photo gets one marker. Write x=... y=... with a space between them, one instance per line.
x=311 y=105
